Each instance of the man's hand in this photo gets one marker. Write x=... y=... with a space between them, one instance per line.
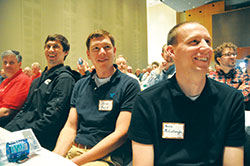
x=4 y=112
x=82 y=68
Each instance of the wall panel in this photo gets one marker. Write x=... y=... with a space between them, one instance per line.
x=25 y=24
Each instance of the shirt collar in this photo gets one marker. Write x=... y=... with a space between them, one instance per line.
x=113 y=78
x=230 y=74
x=209 y=89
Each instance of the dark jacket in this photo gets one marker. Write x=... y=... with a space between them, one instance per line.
x=47 y=106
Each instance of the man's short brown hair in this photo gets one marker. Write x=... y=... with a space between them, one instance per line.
x=99 y=33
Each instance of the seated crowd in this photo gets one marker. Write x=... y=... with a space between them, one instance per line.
x=176 y=112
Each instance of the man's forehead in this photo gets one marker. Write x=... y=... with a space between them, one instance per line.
x=53 y=42
x=100 y=39
x=10 y=57
x=191 y=30
x=228 y=49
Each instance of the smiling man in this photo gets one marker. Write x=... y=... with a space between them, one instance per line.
x=187 y=119
x=95 y=133
x=225 y=56
x=47 y=106
x=14 y=89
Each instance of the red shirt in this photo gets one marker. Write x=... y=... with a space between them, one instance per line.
x=35 y=76
x=14 y=91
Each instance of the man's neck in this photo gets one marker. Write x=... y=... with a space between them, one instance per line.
x=50 y=66
x=191 y=87
x=101 y=73
x=226 y=69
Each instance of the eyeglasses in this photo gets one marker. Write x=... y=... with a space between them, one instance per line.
x=229 y=54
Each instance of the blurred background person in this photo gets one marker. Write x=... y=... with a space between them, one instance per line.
x=2 y=76
x=14 y=89
x=165 y=70
x=121 y=61
x=83 y=67
x=35 y=70
x=138 y=73
x=225 y=56
x=130 y=69
x=27 y=70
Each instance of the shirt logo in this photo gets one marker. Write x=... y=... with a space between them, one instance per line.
x=105 y=105
x=47 y=81
x=172 y=130
x=112 y=95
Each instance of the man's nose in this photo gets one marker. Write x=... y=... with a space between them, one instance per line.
x=51 y=48
x=204 y=43
x=204 y=46
x=102 y=51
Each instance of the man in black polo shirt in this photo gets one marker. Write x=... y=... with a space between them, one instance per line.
x=101 y=103
x=188 y=119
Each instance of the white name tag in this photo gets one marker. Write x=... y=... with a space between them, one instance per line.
x=173 y=130
x=105 y=105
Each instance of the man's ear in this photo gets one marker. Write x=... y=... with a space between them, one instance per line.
x=170 y=51
x=219 y=60
x=66 y=54
x=20 y=64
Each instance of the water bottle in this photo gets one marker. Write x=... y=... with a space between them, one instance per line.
x=18 y=150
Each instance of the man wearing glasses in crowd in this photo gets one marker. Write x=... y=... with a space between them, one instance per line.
x=225 y=57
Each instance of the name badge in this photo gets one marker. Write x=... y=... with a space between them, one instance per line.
x=105 y=105
x=173 y=130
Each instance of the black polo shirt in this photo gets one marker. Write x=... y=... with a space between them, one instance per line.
x=186 y=132
x=99 y=107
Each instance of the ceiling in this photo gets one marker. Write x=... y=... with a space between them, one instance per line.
x=181 y=5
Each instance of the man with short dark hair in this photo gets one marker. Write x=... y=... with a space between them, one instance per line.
x=188 y=119
x=95 y=133
x=47 y=106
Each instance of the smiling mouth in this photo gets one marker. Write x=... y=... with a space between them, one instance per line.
x=205 y=59
x=102 y=60
x=51 y=56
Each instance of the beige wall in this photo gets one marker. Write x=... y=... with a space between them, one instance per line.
x=25 y=25
x=161 y=19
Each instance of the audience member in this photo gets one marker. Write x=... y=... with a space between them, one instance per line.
x=146 y=74
x=130 y=69
x=165 y=70
x=35 y=70
x=83 y=67
x=2 y=75
x=91 y=68
x=138 y=73
x=47 y=106
x=155 y=65
x=142 y=73
x=188 y=119
x=247 y=59
x=14 y=89
x=123 y=66
x=225 y=57
x=96 y=129
x=27 y=70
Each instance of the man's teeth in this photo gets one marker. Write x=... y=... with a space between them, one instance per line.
x=202 y=59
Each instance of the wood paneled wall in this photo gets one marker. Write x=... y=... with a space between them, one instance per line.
x=203 y=14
